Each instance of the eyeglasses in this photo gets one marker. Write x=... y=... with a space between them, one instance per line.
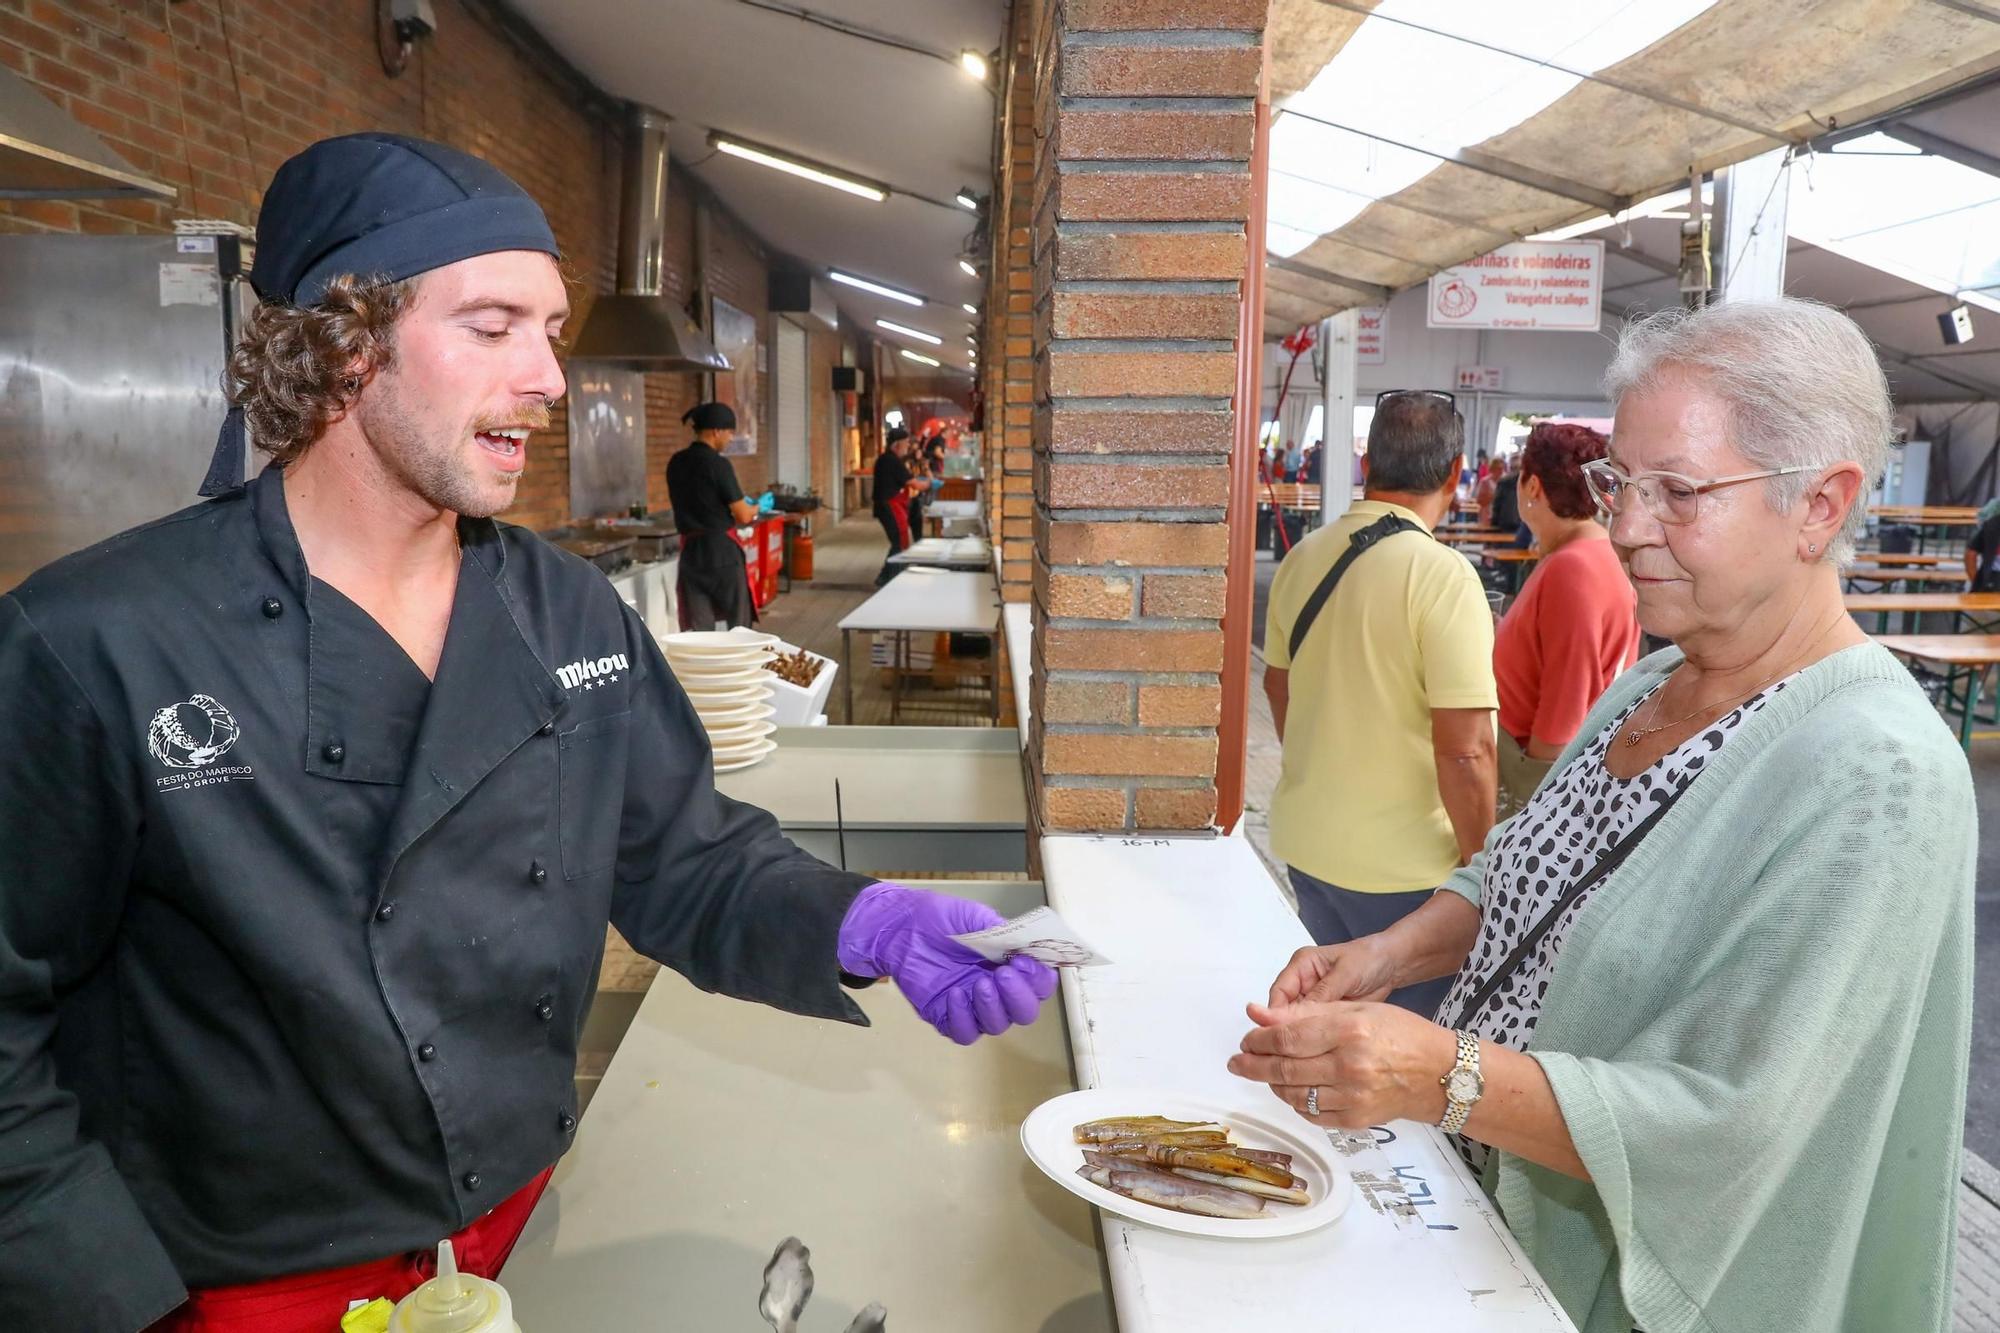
x=1669 y=496
x=1387 y=394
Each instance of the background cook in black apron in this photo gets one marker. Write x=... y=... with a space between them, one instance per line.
x=708 y=501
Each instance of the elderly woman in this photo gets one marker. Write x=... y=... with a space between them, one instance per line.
x=1708 y=1037
x=1573 y=629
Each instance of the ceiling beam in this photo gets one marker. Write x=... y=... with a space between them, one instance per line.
x=1972 y=7
x=1487 y=164
x=1373 y=290
x=1939 y=146
x=1923 y=367
x=1616 y=85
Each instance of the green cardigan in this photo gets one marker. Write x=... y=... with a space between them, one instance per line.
x=1758 y=1029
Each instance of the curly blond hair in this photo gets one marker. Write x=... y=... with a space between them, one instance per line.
x=297 y=368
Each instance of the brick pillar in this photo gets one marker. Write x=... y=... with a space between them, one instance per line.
x=1009 y=352
x=1147 y=117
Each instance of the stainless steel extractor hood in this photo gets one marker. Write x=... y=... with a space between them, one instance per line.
x=46 y=155
x=639 y=327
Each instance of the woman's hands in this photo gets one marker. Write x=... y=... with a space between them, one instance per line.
x=1363 y=969
x=1372 y=1063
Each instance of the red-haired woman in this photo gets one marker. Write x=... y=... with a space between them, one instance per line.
x=1575 y=625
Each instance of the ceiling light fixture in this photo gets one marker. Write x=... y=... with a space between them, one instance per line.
x=970 y=271
x=974 y=64
x=917 y=356
x=967 y=199
x=909 y=332
x=894 y=295
x=969 y=308
x=816 y=172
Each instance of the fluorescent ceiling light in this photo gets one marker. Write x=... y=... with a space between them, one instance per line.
x=919 y=357
x=969 y=308
x=909 y=332
x=875 y=287
x=797 y=166
x=1672 y=204
x=965 y=200
x=973 y=63
x=1467 y=95
x=970 y=271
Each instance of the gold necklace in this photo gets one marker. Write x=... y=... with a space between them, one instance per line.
x=1638 y=734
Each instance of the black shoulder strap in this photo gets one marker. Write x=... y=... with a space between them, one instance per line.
x=1385 y=526
x=1609 y=862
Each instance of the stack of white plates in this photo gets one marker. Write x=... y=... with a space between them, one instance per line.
x=723 y=674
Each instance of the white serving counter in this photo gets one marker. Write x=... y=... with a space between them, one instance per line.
x=912 y=798
x=1198 y=929
x=721 y=1128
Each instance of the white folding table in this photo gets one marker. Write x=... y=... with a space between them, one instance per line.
x=1196 y=928
x=925 y=601
x=968 y=554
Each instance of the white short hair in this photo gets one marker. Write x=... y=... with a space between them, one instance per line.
x=1799 y=381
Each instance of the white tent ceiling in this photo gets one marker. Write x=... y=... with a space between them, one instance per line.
x=1416 y=134
x=905 y=118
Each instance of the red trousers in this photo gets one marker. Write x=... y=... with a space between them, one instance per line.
x=314 y=1302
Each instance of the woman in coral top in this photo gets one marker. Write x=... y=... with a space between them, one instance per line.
x=1574 y=627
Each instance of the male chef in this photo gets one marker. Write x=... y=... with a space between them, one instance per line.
x=315 y=800
x=714 y=581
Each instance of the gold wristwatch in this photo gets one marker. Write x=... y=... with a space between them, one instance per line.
x=1463 y=1085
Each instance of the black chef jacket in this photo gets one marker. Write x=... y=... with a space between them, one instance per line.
x=701 y=485
x=892 y=474
x=295 y=944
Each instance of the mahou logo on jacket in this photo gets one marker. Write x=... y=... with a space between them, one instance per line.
x=194 y=735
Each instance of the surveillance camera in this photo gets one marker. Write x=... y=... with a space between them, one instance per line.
x=413 y=19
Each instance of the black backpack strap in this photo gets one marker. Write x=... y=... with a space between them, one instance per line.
x=1386 y=526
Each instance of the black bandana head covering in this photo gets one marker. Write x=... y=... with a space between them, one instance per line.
x=375 y=205
x=710 y=416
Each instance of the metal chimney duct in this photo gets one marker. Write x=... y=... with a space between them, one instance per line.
x=639 y=327
x=46 y=155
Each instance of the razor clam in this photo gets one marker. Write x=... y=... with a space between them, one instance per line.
x=1132 y=1144
x=1294 y=1193
x=1142 y=1126
x=1164 y=1189
x=1283 y=1159
x=1219 y=1162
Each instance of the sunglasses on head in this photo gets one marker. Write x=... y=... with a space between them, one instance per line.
x=1387 y=394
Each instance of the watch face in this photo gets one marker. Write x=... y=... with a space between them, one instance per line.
x=1464 y=1086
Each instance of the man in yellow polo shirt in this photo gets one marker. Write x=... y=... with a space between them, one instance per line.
x=1386 y=703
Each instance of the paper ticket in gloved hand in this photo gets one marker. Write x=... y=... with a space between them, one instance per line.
x=1039 y=934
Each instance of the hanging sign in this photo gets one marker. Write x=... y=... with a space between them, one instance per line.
x=1551 y=286
x=1371 y=335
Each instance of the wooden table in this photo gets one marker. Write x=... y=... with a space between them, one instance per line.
x=1960 y=604
x=1878 y=558
x=1924 y=519
x=1903 y=575
x=1967 y=660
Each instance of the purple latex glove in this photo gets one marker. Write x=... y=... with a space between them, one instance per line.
x=891 y=931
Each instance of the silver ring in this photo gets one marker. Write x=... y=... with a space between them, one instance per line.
x=1312 y=1100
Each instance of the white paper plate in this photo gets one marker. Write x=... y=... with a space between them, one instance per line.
x=729 y=764
x=729 y=747
x=717 y=664
x=738 y=733
x=1048 y=1134
x=713 y=682
x=755 y=708
x=703 y=642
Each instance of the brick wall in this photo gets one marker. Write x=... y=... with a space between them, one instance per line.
x=1009 y=354
x=210 y=96
x=1146 y=113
